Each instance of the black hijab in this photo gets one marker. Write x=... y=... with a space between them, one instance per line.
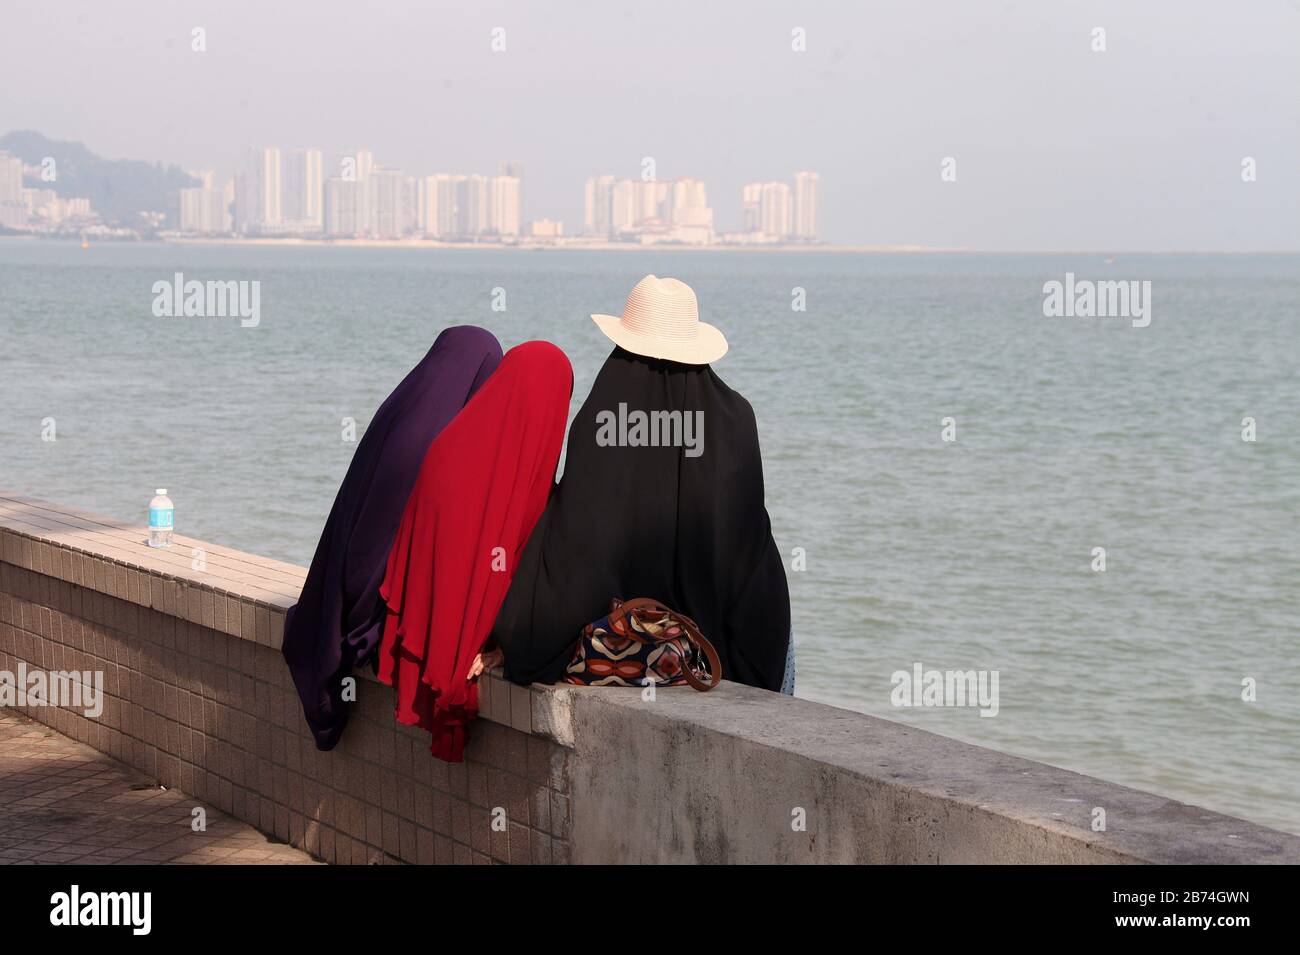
x=690 y=530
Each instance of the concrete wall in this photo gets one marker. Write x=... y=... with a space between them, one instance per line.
x=199 y=697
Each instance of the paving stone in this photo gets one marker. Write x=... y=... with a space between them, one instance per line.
x=63 y=802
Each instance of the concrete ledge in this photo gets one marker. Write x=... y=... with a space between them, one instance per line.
x=199 y=696
x=234 y=593
x=718 y=777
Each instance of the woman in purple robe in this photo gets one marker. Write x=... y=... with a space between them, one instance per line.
x=338 y=620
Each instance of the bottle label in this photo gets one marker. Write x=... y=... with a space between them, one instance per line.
x=161 y=517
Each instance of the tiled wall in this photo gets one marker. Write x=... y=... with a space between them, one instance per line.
x=198 y=696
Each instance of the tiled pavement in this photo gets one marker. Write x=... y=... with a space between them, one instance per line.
x=61 y=801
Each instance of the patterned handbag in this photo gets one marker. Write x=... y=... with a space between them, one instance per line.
x=640 y=642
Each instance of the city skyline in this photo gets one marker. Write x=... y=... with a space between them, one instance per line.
x=283 y=192
x=287 y=193
x=1056 y=142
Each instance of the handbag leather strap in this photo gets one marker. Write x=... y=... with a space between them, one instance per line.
x=691 y=631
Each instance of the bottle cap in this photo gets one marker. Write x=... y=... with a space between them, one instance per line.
x=160 y=491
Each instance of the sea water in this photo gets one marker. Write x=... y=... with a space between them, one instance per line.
x=942 y=459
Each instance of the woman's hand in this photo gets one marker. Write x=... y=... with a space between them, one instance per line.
x=485 y=661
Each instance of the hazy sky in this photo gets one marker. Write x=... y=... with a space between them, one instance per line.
x=1057 y=147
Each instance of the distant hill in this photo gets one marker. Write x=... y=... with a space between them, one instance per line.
x=118 y=189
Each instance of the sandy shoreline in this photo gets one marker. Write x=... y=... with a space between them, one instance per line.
x=547 y=246
x=582 y=246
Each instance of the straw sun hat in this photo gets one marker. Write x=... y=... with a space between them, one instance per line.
x=662 y=320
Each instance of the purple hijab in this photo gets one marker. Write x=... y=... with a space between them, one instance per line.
x=338 y=620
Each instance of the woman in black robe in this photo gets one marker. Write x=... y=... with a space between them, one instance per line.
x=684 y=523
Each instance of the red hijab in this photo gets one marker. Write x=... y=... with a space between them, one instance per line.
x=483 y=485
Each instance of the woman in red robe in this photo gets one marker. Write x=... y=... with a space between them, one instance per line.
x=483 y=485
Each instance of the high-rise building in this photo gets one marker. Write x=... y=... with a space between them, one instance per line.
x=192 y=210
x=258 y=193
x=303 y=190
x=362 y=162
x=690 y=204
x=654 y=201
x=751 y=205
x=625 y=206
x=363 y=166
x=768 y=210
x=692 y=219
x=773 y=212
x=391 y=203
x=599 y=216
x=228 y=204
x=245 y=217
x=805 y=205
x=777 y=210
x=204 y=210
x=13 y=206
x=410 y=204
x=266 y=171
x=655 y=210
x=343 y=208
x=348 y=207
x=506 y=206
x=473 y=206
x=437 y=205
x=513 y=167
x=427 y=211
x=46 y=209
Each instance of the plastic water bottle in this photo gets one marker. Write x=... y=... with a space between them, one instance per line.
x=160 y=519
